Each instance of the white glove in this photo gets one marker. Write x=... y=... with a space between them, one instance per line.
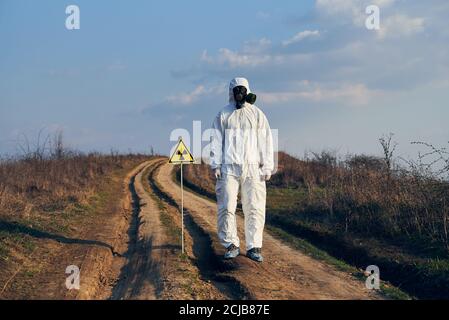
x=217 y=173
x=265 y=177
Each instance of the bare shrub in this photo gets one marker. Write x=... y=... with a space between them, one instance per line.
x=47 y=177
x=388 y=148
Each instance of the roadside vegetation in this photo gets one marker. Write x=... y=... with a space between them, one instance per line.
x=364 y=210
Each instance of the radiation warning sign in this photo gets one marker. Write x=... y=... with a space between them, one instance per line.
x=181 y=154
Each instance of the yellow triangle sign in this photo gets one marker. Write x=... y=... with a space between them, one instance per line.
x=181 y=154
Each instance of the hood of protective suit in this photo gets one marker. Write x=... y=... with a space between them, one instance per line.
x=235 y=83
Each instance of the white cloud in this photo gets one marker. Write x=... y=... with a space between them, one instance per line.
x=191 y=97
x=400 y=25
x=301 y=36
x=256 y=46
x=337 y=6
x=235 y=59
x=341 y=9
x=346 y=94
x=254 y=53
x=383 y=3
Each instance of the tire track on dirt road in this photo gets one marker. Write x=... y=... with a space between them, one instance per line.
x=140 y=277
x=286 y=274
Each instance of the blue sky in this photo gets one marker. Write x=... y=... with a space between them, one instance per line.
x=136 y=70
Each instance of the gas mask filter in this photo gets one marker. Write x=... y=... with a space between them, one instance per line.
x=241 y=96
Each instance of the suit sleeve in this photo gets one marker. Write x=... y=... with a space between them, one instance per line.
x=265 y=146
x=217 y=141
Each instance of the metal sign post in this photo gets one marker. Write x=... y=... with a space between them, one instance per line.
x=180 y=156
x=182 y=212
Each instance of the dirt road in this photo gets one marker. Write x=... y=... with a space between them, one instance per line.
x=130 y=249
x=141 y=275
x=286 y=273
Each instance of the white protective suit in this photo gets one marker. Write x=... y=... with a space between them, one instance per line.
x=242 y=147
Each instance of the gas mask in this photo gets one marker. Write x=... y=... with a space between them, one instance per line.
x=241 y=96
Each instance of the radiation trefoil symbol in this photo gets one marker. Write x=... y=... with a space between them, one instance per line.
x=183 y=155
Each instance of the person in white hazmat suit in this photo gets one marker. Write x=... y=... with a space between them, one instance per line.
x=241 y=157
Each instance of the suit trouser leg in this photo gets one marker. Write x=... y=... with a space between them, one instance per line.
x=253 y=196
x=227 y=188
